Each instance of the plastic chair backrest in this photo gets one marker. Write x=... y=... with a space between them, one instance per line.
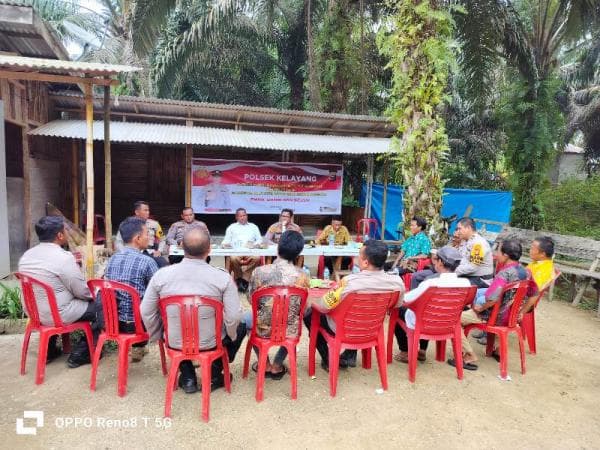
x=28 y=284
x=188 y=306
x=359 y=317
x=110 y=305
x=547 y=287
x=513 y=314
x=280 y=310
x=438 y=309
x=368 y=227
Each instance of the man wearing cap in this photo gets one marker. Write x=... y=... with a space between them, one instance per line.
x=445 y=263
x=175 y=234
x=156 y=237
x=215 y=196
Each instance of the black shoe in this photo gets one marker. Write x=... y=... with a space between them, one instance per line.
x=217 y=382
x=75 y=361
x=53 y=353
x=325 y=364
x=189 y=385
x=349 y=358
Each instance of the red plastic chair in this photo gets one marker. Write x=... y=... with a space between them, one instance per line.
x=188 y=306
x=359 y=326
x=33 y=324
x=422 y=263
x=368 y=227
x=279 y=337
x=528 y=319
x=493 y=329
x=437 y=312
x=108 y=290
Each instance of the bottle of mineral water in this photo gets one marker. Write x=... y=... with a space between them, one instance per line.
x=306 y=270
x=355 y=268
x=326 y=273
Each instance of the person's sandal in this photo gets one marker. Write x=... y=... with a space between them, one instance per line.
x=422 y=356
x=278 y=375
x=400 y=357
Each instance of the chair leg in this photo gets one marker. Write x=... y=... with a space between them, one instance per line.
x=66 y=342
x=334 y=368
x=440 y=350
x=163 y=362
x=312 y=343
x=390 y=337
x=225 y=359
x=293 y=370
x=521 y=350
x=489 y=347
x=247 y=359
x=366 y=358
x=260 y=373
x=41 y=362
x=413 y=351
x=206 y=379
x=381 y=361
x=24 y=349
x=503 y=355
x=90 y=339
x=528 y=327
x=122 y=370
x=171 y=380
x=458 y=356
x=96 y=360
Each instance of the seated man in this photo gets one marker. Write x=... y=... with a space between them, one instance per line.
x=282 y=272
x=371 y=278
x=129 y=266
x=507 y=255
x=418 y=245
x=477 y=264
x=52 y=265
x=245 y=234
x=445 y=263
x=286 y=222
x=541 y=268
x=175 y=233
x=193 y=276
x=156 y=238
x=421 y=275
x=341 y=236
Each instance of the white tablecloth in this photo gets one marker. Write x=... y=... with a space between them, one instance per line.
x=337 y=250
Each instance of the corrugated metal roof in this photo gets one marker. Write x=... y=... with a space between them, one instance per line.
x=223 y=116
x=59 y=66
x=153 y=133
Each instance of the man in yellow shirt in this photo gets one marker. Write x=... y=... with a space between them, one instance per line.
x=341 y=236
x=541 y=267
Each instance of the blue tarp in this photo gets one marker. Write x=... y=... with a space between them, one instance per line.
x=486 y=205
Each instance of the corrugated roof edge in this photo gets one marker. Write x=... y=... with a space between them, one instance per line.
x=63 y=66
x=258 y=109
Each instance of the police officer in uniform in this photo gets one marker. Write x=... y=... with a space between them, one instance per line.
x=176 y=231
x=477 y=263
x=156 y=238
x=215 y=196
x=194 y=276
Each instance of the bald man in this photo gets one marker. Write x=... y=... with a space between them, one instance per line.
x=193 y=276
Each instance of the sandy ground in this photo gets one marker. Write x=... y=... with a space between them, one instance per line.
x=553 y=406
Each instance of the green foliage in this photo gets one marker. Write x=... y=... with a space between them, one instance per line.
x=573 y=207
x=416 y=39
x=10 y=302
x=533 y=124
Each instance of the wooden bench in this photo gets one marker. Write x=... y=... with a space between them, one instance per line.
x=575 y=257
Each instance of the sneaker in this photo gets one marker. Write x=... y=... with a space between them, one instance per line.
x=75 y=361
x=189 y=385
x=53 y=353
x=137 y=353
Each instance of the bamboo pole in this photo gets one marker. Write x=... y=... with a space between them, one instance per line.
x=75 y=180
x=107 y=172
x=26 y=172
x=89 y=178
x=384 y=206
x=188 y=168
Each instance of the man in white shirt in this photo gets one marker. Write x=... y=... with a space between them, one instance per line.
x=242 y=234
x=445 y=263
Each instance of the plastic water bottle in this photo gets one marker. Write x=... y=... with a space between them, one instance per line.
x=326 y=273
x=365 y=238
x=331 y=239
x=306 y=270
x=396 y=271
x=355 y=268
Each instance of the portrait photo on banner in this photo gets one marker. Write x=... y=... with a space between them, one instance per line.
x=221 y=186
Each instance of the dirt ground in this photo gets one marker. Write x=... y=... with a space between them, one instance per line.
x=554 y=405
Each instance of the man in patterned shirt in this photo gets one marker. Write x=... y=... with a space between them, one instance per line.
x=341 y=237
x=415 y=247
x=175 y=233
x=282 y=272
x=131 y=267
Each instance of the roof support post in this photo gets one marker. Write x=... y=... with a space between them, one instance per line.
x=75 y=180
x=384 y=206
x=89 y=178
x=189 y=151
x=369 y=196
x=107 y=171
